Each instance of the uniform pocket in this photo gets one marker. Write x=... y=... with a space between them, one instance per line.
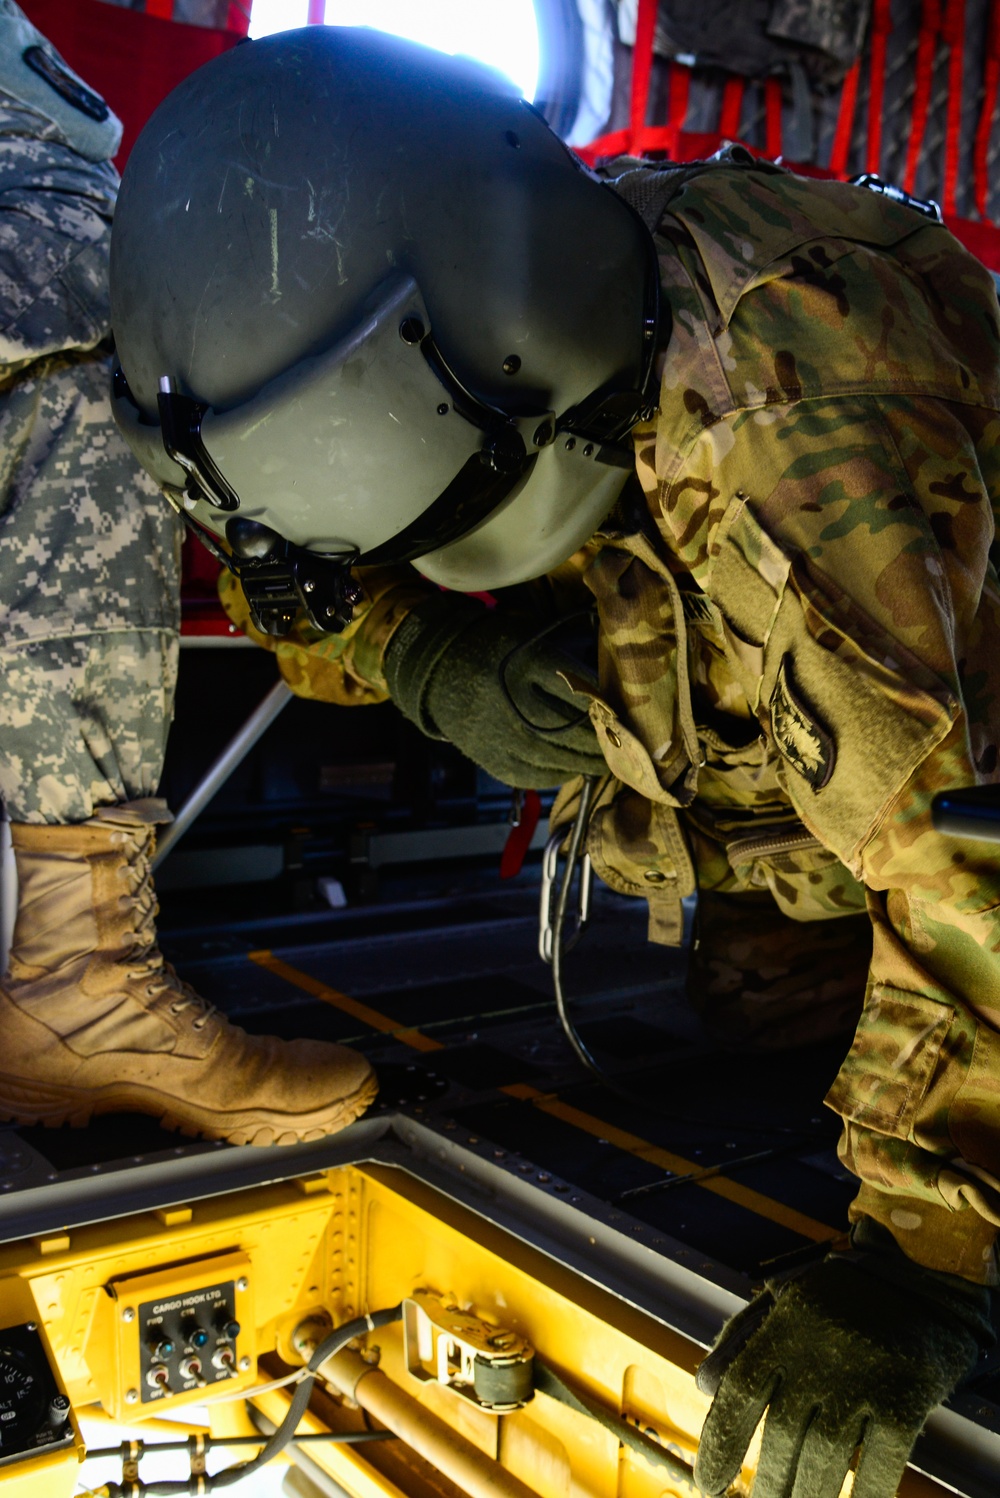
x=853 y=713
x=889 y=1067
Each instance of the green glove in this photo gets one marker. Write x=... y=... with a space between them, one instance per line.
x=447 y=666
x=855 y=1352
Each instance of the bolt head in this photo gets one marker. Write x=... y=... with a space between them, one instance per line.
x=128 y=1314
x=242 y=1283
x=131 y=1396
x=411 y=330
x=244 y=1365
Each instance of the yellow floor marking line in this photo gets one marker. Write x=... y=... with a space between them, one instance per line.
x=631 y=1144
x=338 y=1000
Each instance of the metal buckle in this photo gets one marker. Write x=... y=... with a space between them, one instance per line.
x=550 y=893
x=488 y=1365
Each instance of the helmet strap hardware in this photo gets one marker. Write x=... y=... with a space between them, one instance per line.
x=279 y=578
x=180 y=427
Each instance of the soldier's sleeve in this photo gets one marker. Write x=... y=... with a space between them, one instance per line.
x=865 y=611
x=343 y=668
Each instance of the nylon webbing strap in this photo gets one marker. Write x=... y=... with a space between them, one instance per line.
x=841 y=147
x=642 y=65
x=772 y=118
x=677 y=105
x=954 y=35
x=930 y=28
x=732 y=107
x=991 y=87
x=881 y=29
x=547 y=1382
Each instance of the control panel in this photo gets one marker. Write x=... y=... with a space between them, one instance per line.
x=34 y=1414
x=188 y=1341
x=174 y=1334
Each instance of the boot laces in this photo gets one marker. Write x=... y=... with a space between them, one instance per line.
x=146 y=962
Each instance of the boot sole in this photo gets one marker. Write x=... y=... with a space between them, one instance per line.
x=27 y=1104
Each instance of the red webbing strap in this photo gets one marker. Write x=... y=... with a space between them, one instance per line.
x=605 y=147
x=991 y=87
x=237 y=19
x=954 y=35
x=841 y=147
x=162 y=8
x=642 y=66
x=772 y=118
x=881 y=30
x=732 y=107
x=677 y=105
x=930 y=26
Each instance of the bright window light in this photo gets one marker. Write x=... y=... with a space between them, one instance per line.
x=503 y=33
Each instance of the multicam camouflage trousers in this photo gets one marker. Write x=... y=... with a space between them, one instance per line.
x=89 y=601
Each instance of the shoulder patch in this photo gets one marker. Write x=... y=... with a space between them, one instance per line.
x=66 y=84
x=802 y=739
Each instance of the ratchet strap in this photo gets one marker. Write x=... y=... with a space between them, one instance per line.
x=548 y=1382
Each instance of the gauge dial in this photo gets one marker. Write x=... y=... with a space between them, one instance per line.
x=22 y=1397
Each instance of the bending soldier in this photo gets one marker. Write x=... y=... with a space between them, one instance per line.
x=370 y=314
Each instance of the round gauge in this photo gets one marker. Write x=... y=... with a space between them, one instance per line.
x=22 y=1397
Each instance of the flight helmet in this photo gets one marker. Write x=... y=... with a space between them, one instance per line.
x=369 y=309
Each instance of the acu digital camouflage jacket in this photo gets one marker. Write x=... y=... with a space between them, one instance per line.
x=800 y=644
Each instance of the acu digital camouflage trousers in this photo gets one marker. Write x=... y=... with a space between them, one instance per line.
x=89 y=600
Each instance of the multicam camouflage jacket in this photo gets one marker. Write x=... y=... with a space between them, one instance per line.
x=800 y=644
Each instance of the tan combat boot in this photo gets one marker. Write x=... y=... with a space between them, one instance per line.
x=93 y=1020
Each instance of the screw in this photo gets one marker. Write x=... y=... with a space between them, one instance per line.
x=411 y=330
x=511 y=364
x=128 y=1314
x=588 y=450
x=543 y=434
x=308 y=586
x=131 y=1396
x=31 y=1326
x=570 y=444
x=443 y=408
x=242 y=1283
x=244 y=1365
x=512 y=139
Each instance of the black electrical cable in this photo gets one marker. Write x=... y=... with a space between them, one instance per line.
x=337 y=1339
x=210 y=1442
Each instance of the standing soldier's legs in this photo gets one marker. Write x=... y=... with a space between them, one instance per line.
x=91 y=1017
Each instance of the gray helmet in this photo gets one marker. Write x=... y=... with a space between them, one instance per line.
x=369 y=309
